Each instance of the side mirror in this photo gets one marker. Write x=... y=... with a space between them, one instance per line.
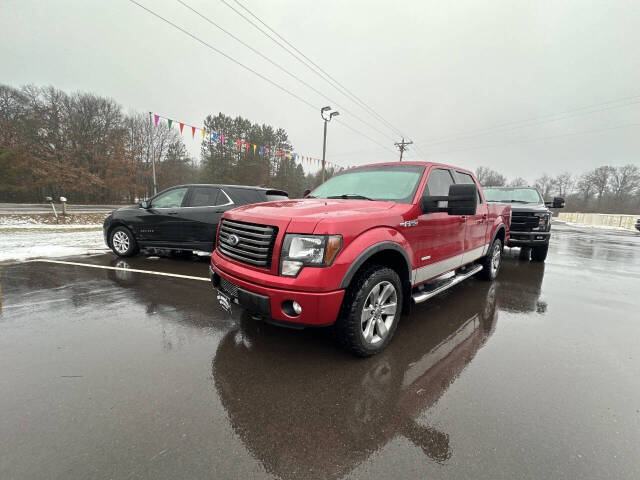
x=463 y=199
x=144 y=204
x=558 y=202
x=306 y=193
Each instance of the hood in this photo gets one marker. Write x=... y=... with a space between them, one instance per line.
x=528 y=207
x=303 y=215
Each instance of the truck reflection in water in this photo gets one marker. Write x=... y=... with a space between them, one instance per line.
x=305 y=409
x=310 y=413
x=519 y=287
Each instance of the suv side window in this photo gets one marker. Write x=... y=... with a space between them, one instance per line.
x=206 y=197
x=171 y=199
x=439 y=181
x=466 y=178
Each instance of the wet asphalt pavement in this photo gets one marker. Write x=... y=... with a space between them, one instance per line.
x=114 y=374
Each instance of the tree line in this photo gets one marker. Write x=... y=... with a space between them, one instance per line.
x=84 y=147
x=606 y=189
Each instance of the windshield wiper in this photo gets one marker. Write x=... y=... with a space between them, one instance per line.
x=347 y=196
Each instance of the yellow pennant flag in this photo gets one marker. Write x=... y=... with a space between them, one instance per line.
x=203 y=133
x=254 y=148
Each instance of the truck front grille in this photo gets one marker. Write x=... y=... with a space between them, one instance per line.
x=254 y=243
x=523 y=221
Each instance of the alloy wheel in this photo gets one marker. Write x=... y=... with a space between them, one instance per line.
x=379 y=312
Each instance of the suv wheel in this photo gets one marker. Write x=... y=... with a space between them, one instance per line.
x=539 y=254
x=122 y=242
x=370 y=311
x=492 y=261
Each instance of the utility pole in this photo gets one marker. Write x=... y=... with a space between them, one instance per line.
x=326 y=119
x=153 y=154
x=402 y=146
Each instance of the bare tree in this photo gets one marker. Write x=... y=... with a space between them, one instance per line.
x=564 y=183
x=490 y=178
x=518 y=182
x=545 y=185
x=625 y=181
x=601 y=178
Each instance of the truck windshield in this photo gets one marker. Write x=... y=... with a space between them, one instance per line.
x=512 y=195
x=396 y=183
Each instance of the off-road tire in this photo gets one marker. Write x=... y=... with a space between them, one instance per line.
x=116 y=234
x=539 y=254
x=348 y=327
x=488 y=271
x=525 y=253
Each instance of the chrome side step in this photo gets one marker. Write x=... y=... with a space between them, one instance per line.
x=420 y=297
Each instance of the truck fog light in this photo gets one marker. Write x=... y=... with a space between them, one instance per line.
x=291 y=308
x=290 y=268
x=296 y=308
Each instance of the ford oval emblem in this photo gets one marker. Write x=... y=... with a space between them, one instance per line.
x=233 y=240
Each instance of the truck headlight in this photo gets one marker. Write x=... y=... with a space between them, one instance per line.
x=543 y=220
x=307 y=250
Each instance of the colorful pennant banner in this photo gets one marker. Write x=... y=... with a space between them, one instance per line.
x=244 y=146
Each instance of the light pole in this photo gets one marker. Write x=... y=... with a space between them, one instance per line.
x=152 y=151
x=327 y=119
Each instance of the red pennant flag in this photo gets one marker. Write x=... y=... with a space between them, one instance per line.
x=240 y=144
x=193 y=132
x=246 y=145
x=181 y=126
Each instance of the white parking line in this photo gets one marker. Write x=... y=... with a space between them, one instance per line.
x=135 y=270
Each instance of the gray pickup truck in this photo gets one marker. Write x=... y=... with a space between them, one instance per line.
x=530 y=218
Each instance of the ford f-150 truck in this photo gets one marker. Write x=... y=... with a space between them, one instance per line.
x=360 y=249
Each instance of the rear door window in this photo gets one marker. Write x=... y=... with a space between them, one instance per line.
x=466 y=178
x=439 y=182
x=206 y=197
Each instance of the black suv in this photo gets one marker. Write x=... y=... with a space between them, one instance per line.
x=530 y=218
x=184 y=217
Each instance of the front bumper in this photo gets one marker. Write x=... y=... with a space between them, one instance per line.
x=526 y=239
x=318 y=309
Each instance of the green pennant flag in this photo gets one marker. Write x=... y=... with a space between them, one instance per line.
x=170 y=122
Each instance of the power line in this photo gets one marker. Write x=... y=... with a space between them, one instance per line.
x=537 y=139
x=536 y=120
x=266 y=79
x=281 y=68
x=327 y=78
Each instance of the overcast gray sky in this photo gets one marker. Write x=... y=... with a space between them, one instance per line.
x=435 y=70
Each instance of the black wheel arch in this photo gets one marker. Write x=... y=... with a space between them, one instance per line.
x=389 y=254
x=115 y=224
x=501 y=231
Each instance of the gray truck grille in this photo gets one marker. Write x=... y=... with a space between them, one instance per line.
x=523 y=221
x=254 y=243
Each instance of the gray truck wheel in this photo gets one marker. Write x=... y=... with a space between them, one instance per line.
x=539 y=254
x=370 y=311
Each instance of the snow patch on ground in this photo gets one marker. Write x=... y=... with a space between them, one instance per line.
x=599 y=227
x=25 y=242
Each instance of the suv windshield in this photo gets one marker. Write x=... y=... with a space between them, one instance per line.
x=396 y=183
x=510 y=195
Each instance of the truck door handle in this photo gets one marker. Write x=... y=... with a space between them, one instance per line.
x=172 y=213
x=485 y=216
x=463 y=218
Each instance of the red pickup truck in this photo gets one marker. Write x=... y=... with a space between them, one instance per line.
x=359 y=249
